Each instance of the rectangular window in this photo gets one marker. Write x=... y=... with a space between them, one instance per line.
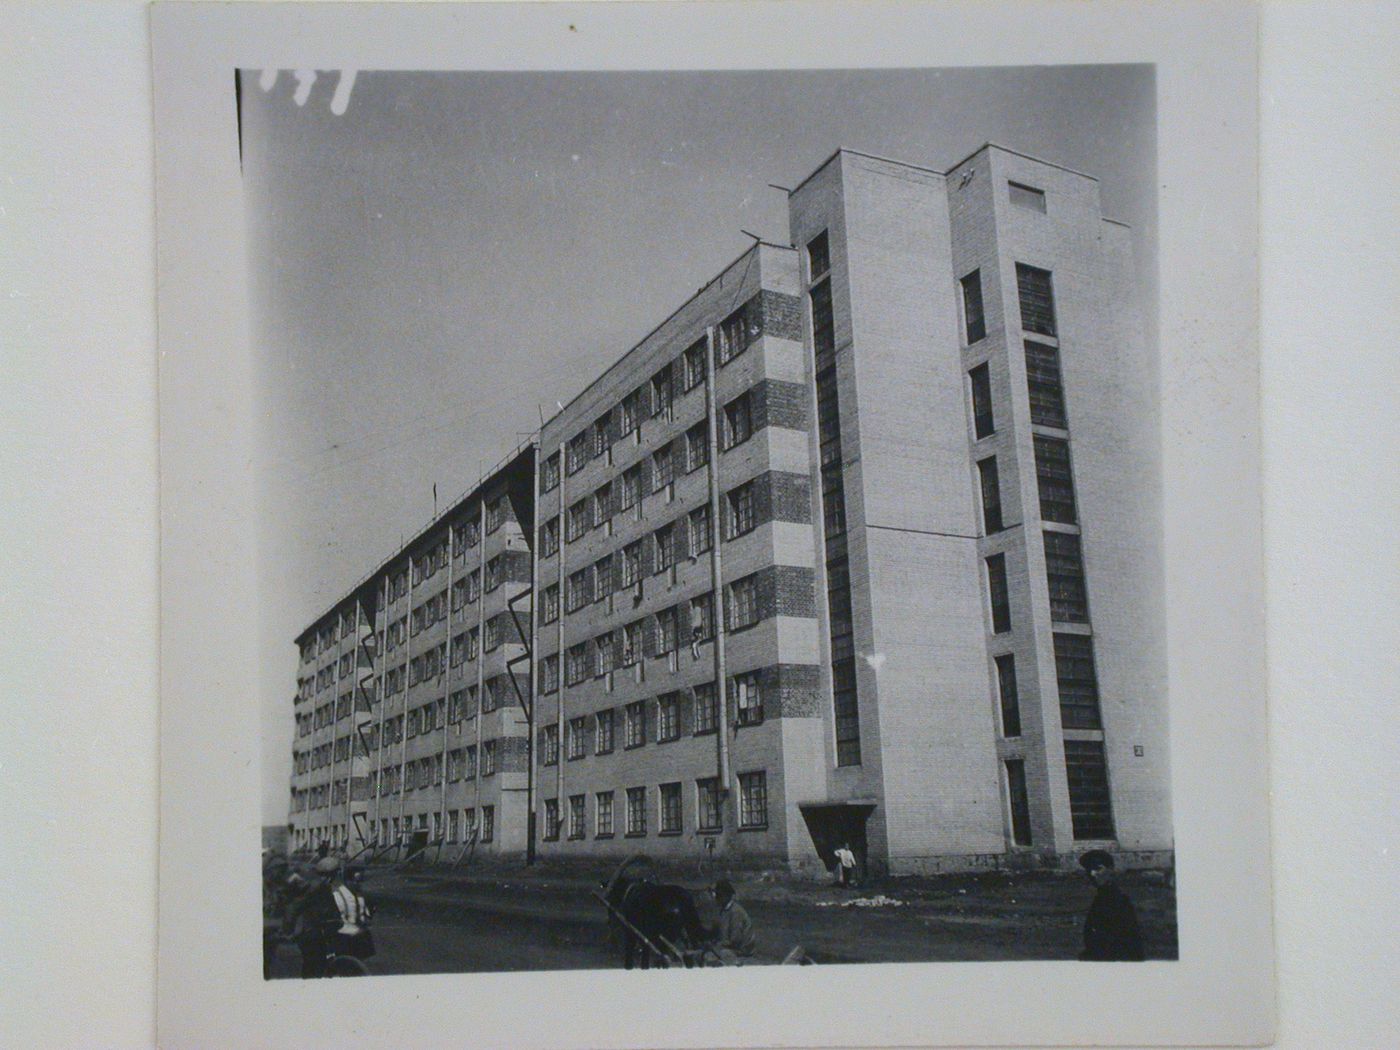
x=1090 y=808
x=707 y=809
x=661 y=392
x=1026 y=197
x=743 y=603
x=495 y=514
x=738 y=421
x=991 y=494
x=488 y=823
x=705 y=708
x=697 y=446
x=631 y=487
x=667 y=631
x=743 y=513
x=746 y=694
x=1064 y=570
x=549 y=673
x=1036 y=292
x=473 y=585
x=605 y=722
x=631 y=563
x=493 y=634
x=577 y=737
x=551 y=819
x=699 y=531
x=1047 y=394
x=576 y=816
x=488 y=758
x=693 y=361
x=577 y=520
x=998 y=593
x=702 y=618
x=602 y=435
x=753 y=800
x=668 y=718
x=662 y=469
x=733 y=335
x=636 y=724
x=549 y=745
x=1018 y=801
x=549 y=604
x=631 y=412
x=1078 y=683
x=1010 y=699
x=1055 y=479
x=549 y=473
x=664 y=548
x=603 y=654
x=603 y=815
x=579 y=590
x=973 y=316
x=549 y=537
x=983 y=425
x=637 y=811
x=632 y=642
x=576 y=663
x=603 y=578
x=576 y=457
x=818 y=256
x=670 y=809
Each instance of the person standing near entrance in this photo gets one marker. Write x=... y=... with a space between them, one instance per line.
x=845 y=865
x=1111 y=930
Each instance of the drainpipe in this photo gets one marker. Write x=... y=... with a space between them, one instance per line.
x=717 y=568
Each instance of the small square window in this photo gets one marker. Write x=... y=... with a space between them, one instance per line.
x=1026 y=197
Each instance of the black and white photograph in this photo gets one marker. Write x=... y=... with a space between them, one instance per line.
x=712 y=518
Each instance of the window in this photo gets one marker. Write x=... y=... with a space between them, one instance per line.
x=746 y=694
x=1055 y=479
x=1018 y=802
x=637 y=811
x=1026 y=197
x=633 y=640
x=693 y=364
x=493 y=634
x=631 y=412
x=473 y=585
x=495 y=573
x=670 y=809
x=699 y=530
x=549 y=673
x=603 y=655
x=549 y=473
x=576 y=522
x=495 y=514
x=705 y=708
x=664 y=546
x=636 y=724
x=549 y=745
x=551 y=819
x=1078 y=683
x=549 y=537
x=549 y=604
x=982 y=422
x=991 y=495
x=577 y=452
x=579 y=591
x=1064 y=570
x=488 y=758
x=576 y=741
x=707 y=811
x=668 y=718
x=661 y=392
x=576 y=816
x=473 y=643
x=743 y=515
x=818 y=256
x=662 y=469
x=631 y=563
x=697 y=446
x=823 y=326
x=702 y=618
x=602 y=505
x=1010 y=701
x=973 y=316
x=738 y=421
x=1090 y=808
x=603 y=815
x=753 y=800
x=602 y=435
x=488 y=823
x=743 y=603
x=997 y=591
x=1043 y=381
x=667 y=631
x=603 y=578
x=605 y=721
x=734 y=333
x=1035 y=290
x=631 y=487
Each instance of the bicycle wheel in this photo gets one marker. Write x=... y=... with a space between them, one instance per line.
x=346 y=966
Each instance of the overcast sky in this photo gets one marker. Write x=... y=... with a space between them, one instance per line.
x=457 y=252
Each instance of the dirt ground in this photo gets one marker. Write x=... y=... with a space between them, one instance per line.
x=436 y=921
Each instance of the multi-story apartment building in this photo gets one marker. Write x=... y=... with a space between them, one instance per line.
x=862 y=543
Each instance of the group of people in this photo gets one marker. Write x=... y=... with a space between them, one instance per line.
x=322 y=909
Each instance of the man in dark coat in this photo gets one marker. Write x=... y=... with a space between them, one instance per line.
x=313 y=917
x=1111 y=931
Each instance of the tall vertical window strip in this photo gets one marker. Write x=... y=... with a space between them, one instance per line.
x=1034 y=288
x=1047 y=394
x=998 y=594
x=991 y=494
x=1078 y=682
x=838 y=594
x=1018 y=800
x=983 y=424
x=973 y=316
x=1064 y=570
x=1010 y=699
x=1055 y=480
x=1090 y=808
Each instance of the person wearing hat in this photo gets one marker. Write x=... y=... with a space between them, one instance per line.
x=734 y=937
x=315 y=916
x=1111 y=930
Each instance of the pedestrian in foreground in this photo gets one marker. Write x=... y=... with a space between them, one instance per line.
x=1111 y=930
x=845 y=866
x=734 y=937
